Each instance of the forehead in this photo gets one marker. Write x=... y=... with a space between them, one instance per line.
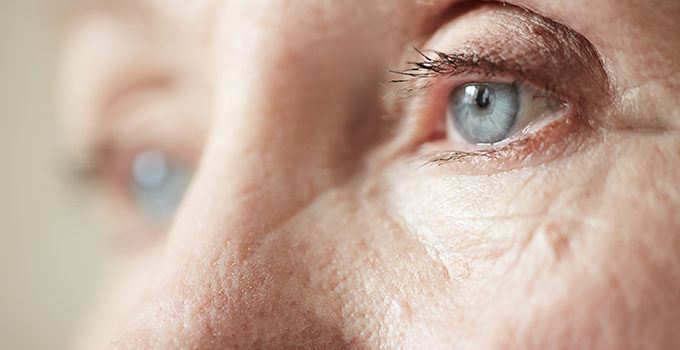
x=597 y=20
x=549 y=8
x=603 y=22
x=108 y=33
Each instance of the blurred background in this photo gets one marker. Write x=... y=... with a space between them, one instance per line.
x=52 y=246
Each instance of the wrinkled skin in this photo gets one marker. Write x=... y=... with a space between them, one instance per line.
x=311 y=223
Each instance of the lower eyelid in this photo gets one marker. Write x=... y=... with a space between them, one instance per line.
x=558 y=139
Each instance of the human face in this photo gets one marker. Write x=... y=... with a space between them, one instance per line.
x=338 y=196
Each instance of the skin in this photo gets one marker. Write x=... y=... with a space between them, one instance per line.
x=310 y=222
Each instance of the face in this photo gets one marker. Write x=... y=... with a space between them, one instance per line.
x=383 y=174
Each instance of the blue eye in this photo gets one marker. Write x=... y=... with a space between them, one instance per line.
x=487 y=113
x=158 y=184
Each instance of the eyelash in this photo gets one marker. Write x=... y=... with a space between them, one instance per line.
x=449 y=65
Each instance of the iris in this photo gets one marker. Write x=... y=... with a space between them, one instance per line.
x=158 y=184
x=485 y=113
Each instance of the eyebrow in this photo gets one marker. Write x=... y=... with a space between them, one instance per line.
x=130 y=10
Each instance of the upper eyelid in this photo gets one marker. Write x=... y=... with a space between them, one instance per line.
x=517 y=43
x=131 y=86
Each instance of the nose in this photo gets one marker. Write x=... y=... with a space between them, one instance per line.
x=241 y=264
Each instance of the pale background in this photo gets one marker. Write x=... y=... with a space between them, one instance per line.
x=52 y=248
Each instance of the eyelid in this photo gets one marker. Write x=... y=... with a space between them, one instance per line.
x=541 y=143
x=557 y=139
x=492 y=40
x=421 y=75
x=146 y=119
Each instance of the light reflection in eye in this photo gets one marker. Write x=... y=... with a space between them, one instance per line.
x=158 y=183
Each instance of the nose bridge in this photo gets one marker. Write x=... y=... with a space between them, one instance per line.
x=282 y=134
x=289 y=122
x=261 y=161
x=274 y=95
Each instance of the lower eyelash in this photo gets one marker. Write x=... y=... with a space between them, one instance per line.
x=553 y=141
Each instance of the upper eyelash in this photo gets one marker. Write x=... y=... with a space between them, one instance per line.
x=443 y=64
x=81 y=172
x=451 y=64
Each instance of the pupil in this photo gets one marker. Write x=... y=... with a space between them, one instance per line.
x=483 y=98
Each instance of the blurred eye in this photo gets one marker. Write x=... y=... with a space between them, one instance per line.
x=488 y=113
x=158 y=183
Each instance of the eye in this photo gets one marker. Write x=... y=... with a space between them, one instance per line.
x=157 y=185
x=489 y=113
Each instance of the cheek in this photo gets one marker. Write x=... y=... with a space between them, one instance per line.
x=471 y=222
x=603 y=292
x=554 y=257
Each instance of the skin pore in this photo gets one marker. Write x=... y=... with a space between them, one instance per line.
x=330 y=207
